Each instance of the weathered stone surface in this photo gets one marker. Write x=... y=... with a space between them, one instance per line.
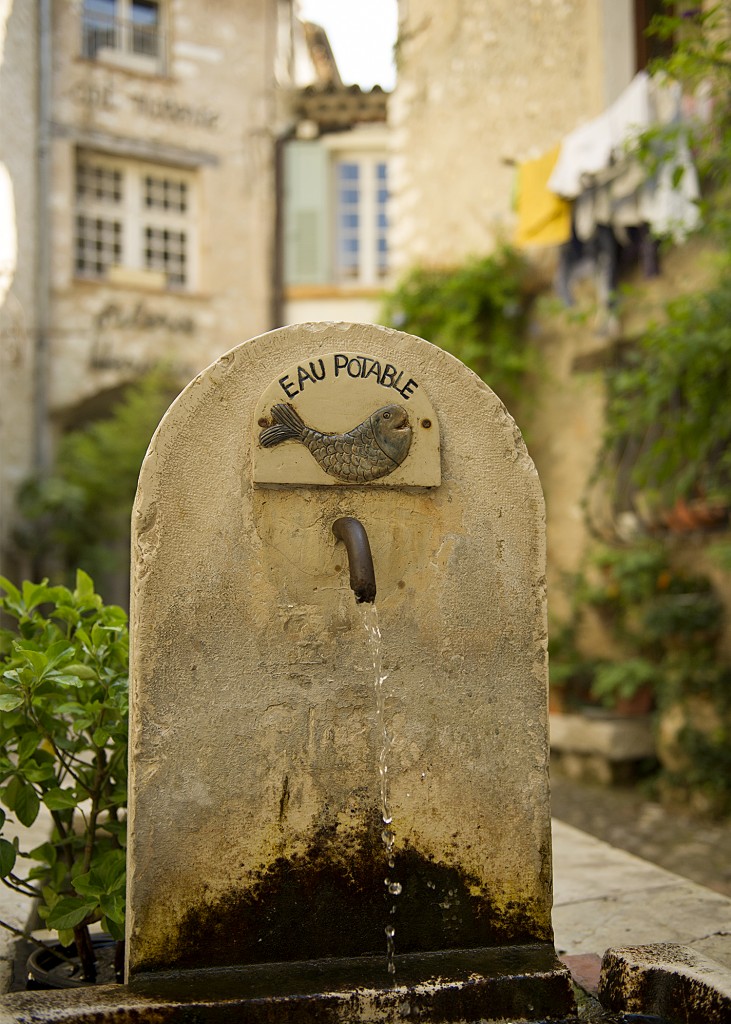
x=254 y=786
x=671 y=981
x=605 y=897
x=513 y=984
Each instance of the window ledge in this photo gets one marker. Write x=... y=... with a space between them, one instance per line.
x=333 y=291
x=120 y=60
x=129 y=277
x=125 y=286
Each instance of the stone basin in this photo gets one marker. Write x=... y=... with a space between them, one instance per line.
x=510 y=983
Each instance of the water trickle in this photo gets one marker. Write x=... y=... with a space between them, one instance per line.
x=388 y=836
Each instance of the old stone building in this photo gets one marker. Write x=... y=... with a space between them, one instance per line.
x=483 y=88
x=139 y=140
x=484 y=91
x=335 y=212
x=181 y=179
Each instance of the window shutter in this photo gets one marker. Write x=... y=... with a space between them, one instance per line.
x=306 y=221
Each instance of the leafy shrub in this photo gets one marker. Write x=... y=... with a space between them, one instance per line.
x=668 y=401
x=63 y=746
x=477 y=311
x=80 y=514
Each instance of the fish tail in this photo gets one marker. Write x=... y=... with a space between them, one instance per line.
x=288 y=426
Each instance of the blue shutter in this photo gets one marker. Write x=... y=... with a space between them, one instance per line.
x=306 y=217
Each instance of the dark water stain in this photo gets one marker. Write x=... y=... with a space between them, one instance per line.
x=525 y=983
x=331 y=901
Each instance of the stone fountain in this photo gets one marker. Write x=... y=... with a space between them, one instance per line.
x=268 y=865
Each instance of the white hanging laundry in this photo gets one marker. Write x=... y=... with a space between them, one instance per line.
x=584 y=152
x=590 y=148
x=669 y=201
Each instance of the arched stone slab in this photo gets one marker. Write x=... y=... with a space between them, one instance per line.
x=254 y=809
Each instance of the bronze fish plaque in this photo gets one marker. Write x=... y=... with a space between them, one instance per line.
x=371 y=450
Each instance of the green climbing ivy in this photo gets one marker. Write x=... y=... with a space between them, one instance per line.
x=478 y=311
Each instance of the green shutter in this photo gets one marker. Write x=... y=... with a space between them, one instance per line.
x=306 y=221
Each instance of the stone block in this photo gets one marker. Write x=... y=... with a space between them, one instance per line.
x=612 y=737
x=671 y=981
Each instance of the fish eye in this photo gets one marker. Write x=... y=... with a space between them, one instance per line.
x=387 y=415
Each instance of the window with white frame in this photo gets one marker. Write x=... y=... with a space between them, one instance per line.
x=134 y=215
x=361 y=218
x=336 y=213
x=117 y=28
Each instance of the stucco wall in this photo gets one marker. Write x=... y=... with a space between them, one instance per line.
x=211 y=109
x=18 y=64
x=481 y=86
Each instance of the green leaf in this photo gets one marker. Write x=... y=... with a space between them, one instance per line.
x=38 y=772
x=11 y=791
x=35 y=594
x=113 y=907
x=8 y=856
x=64 y=679
x=10 y=701
x=111 y=870
x=78 y=668
x=84 y=584
x=69 y=912
x=28 y=746
x=46 y=853
x=88 y=885
x=11 y=590
x=57 y=652
x=27 y=805
x=100 y=737
x=114 y=928
x=59 y=799
x=38 y=660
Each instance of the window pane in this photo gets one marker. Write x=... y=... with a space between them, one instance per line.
x=98 y=245
x=145 y=12
x=347 y=242
x=166 y=250
x=165 y=194
x=348 y=172
x=381 y=220
x=98 y=26
x=145 y=26
x=98 y=183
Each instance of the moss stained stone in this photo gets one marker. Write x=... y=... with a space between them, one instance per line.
x=255 y=833
x=335 y=891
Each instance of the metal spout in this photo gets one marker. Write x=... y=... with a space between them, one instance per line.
x=362 y=574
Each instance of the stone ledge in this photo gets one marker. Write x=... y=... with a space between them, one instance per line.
x=508 y=983
x=612 y=736
x=671 y=981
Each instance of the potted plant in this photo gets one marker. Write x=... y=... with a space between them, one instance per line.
x=570 y=672
x=626 y=686
x=63 y=747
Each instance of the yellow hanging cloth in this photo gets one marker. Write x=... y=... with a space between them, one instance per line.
x=543 y=217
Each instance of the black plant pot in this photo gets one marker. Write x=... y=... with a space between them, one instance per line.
x=46 y=970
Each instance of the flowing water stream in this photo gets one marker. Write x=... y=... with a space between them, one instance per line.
x=388 y=836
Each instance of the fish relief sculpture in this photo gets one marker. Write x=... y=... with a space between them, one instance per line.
x=369 y=451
